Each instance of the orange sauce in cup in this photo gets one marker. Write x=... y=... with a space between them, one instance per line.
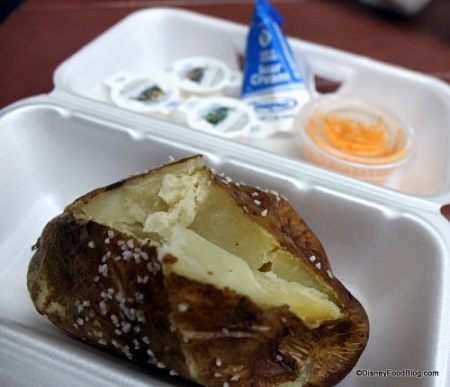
x=353 y=139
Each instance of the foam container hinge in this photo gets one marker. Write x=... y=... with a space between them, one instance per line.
x=390 y=247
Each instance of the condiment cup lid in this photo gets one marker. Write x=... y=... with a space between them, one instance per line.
x=223 y=116
x=200 y=75
x=144 y=93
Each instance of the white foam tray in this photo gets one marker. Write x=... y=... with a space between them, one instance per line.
x=389 y=245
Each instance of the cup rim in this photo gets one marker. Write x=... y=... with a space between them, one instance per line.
x=351 y=102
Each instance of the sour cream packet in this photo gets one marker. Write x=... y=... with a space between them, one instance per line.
x=272 y=81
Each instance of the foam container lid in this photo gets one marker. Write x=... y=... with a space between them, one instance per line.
x=388 y=244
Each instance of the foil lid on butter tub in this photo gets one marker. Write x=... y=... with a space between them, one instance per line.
x=222 y=116
x=154 y=95
x=272 y=82
x=205 y=76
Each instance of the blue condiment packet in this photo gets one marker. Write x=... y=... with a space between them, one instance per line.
x=272 y=81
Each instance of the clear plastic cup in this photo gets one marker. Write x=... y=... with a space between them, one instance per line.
x=354 y=137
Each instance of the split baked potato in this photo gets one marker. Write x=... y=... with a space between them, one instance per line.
x=218 y=282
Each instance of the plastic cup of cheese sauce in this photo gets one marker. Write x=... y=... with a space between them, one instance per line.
x=354 y=137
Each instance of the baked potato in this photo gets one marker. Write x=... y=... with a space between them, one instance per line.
x=217 y=282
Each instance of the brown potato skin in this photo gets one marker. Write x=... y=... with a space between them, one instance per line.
x=70 y=268
x=233 y=339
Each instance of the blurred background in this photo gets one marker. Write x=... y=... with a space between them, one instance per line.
x=7 y=6
x=37 y=35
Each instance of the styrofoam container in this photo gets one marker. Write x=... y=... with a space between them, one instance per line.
x=389 y=246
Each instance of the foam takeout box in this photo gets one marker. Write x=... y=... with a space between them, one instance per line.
x=390 y=244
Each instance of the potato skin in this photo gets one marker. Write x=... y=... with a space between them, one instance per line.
x=120 y=308
x=116 y=297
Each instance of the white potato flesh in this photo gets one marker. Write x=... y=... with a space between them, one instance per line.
x=188 y=216
x=205 y=262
